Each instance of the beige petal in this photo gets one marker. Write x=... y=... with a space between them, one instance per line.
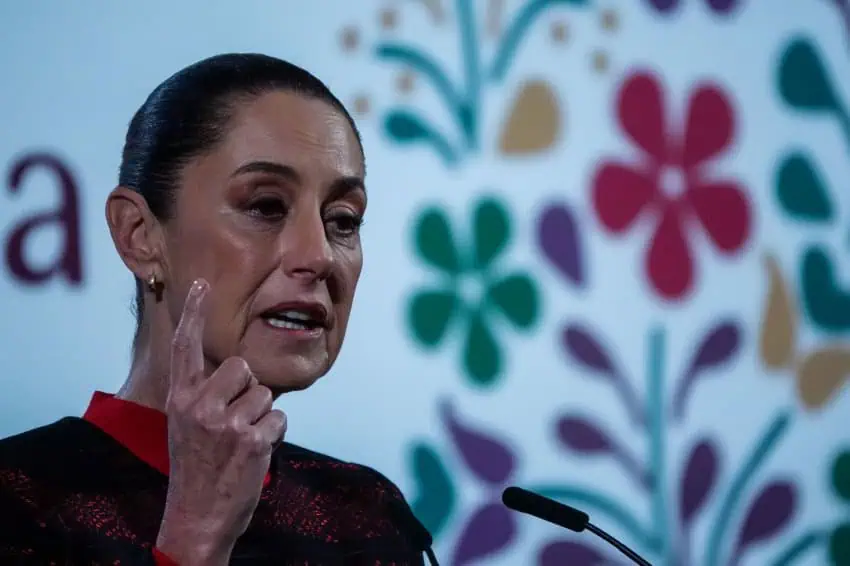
x=779 y=323
x=821 y=375
x=534 y=123
x=435 y=9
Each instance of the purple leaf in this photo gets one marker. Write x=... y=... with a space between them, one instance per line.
x=723 y=6
x=485 y=456
x=770 y=512
x=585 y=349
x=581 y=435
x=560 y=552
x=698 y=479
x=558 y=236
x=664 y=6
x=716 y=348
x=490 y=529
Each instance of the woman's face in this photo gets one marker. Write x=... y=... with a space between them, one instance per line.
x=271 y=219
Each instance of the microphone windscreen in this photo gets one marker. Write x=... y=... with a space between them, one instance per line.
x=544 y=508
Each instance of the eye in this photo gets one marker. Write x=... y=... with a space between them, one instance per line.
x=345 y=224
x=268 y=208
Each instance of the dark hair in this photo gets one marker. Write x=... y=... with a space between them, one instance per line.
x=188 y=115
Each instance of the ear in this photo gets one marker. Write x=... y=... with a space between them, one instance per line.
x=135 y=232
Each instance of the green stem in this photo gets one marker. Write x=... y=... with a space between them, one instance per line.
x=427 y=67
x=443 y=148
x=506 y=51
x=734 y=496
x=799 y=547
x=471 y=71
x=603 y=505
x=657 y=444
x=424 y=133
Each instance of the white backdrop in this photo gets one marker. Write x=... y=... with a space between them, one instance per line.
x=74 y=73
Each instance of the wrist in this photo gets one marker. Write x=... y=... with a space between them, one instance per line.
x=188 y=543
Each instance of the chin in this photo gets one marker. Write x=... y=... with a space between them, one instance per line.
x=285 y=375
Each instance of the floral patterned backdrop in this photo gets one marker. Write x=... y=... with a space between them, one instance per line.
x=607 y=258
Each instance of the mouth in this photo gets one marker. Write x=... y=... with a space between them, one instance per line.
x=310 y=318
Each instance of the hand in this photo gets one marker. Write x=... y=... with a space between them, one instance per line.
x=221 y=432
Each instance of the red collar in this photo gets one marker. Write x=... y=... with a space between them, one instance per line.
x=141 y=430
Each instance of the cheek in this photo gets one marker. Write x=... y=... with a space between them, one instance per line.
x=352 y=267
x=349 y=265
x=219 y=259
x=237 y=270
x=234 y=267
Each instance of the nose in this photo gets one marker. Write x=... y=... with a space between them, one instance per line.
x=307 y=253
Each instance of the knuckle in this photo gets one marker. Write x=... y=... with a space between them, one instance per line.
x=178 y=403
x=264 y=394
x=207 y=425
x=280 y=423
x=207 y=418
x=256 y=443
x=236 y=363
x=235 y=426
x=181 y=342
x=236 y=367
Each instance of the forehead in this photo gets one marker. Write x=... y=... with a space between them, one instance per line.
x=307 y=134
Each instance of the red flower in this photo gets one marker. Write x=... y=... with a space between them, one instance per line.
x=672 y=181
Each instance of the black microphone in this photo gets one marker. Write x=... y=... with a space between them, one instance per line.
x=565 y=516
x=415 y=530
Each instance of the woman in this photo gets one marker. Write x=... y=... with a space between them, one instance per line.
x=241 y=194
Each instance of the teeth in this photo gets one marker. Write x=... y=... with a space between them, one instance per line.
x=288 y=324
x=294 y=315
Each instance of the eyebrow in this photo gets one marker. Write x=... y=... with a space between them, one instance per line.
x=339 y=187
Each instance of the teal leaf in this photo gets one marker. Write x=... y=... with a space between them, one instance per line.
x=801 y=191
x=467 y=118
x=435 y=242
x=841 y=476
x=799 y=546
x=435 y=500
x=518 y=29
x=803 y=79
x=421 y=63
x=516 y=297
x=735 y=494
x=482 y=358
x=492 y=231
x=839 y=545
x=404 y=127
x=827 y=304
x=430 y=315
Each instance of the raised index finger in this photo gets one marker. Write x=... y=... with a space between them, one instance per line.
x=187 y=349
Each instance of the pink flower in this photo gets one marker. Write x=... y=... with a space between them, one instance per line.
x=672 y=181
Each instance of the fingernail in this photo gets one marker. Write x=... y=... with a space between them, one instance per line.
x=197 y=286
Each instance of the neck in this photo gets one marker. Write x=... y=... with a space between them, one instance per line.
x=147 y=382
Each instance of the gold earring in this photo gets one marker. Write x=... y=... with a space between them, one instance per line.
x=153 y=283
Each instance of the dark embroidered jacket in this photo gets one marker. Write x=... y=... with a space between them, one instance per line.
x=92 y=491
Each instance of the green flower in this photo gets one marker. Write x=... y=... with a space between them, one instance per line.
x=473 y=292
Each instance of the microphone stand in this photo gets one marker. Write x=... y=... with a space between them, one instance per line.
x=557 y=513
x=628 y=552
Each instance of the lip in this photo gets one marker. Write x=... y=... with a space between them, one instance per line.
x=316 y=310
x=307 y=334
